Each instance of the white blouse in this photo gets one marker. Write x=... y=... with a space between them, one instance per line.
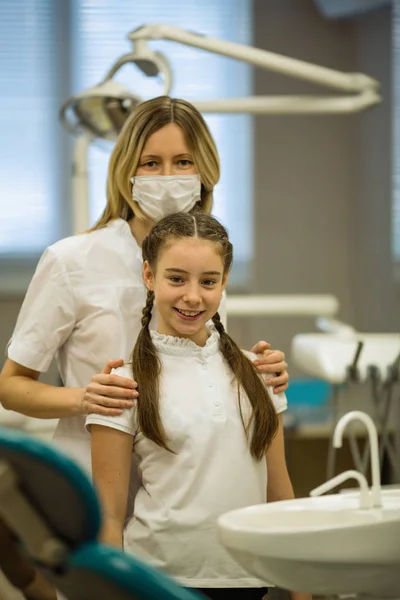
x=83 y=306
x=174 y=522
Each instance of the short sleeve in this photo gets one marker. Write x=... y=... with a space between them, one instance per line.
x=278 y=400
x=47 y=315
x=127 y=421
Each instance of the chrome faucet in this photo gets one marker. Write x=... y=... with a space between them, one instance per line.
x=358 y=415
x=365 y=502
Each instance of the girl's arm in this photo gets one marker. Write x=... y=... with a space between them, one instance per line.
x=279 y=485
x=111 y=466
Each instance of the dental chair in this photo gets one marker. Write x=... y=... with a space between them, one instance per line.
x=53 y=509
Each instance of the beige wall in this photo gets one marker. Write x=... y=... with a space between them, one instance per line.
x=322 y=183
x=375 y=292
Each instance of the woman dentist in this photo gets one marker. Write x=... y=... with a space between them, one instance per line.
x=83 y=305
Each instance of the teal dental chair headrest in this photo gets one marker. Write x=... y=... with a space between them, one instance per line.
x=55 y=486
x=47 y=500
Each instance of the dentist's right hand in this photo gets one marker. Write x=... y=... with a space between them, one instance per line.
x=109 y=394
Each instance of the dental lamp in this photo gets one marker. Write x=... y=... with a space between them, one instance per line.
x=101 y=110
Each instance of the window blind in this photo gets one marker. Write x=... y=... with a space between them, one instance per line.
x=29 y=193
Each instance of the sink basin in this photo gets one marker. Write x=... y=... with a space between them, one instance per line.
x=322 y=545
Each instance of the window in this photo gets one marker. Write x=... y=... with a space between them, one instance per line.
x=45 y=57
x=29 y=102
x=100 y=37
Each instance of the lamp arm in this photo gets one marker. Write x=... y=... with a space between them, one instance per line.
x=279 y=105
x=80 y=184
x=349 y=82
x=123 y=60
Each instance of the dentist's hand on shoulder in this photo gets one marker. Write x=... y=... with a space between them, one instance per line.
x=107 y=393
x=272 y=362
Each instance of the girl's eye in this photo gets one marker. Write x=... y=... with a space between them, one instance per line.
x=176 y=279
x=209 y=282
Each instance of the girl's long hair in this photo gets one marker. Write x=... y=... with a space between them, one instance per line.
x=146 y=366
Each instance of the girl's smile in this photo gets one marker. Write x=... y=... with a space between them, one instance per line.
x=189 y=314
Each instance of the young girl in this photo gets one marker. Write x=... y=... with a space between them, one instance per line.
x=205 y=430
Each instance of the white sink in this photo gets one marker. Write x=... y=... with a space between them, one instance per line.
x=323 y=545
x=329 y=545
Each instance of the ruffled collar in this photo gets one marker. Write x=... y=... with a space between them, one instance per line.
x=177 y=346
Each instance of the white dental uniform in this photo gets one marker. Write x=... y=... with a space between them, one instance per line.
x=212 y=471
x=83 y=306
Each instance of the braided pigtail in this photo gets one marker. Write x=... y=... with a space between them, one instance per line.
x=264 y=415
x=146 y=369
x=147 y=310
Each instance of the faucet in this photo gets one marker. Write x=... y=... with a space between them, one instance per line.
x=365 y=500
x=373 y=442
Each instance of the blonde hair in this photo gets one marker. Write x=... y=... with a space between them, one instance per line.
x=146 y=119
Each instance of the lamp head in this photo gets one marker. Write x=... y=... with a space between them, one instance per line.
x=102 y=110
x=99 y=111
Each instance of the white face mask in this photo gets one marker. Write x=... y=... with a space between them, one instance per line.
x=162 y=195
